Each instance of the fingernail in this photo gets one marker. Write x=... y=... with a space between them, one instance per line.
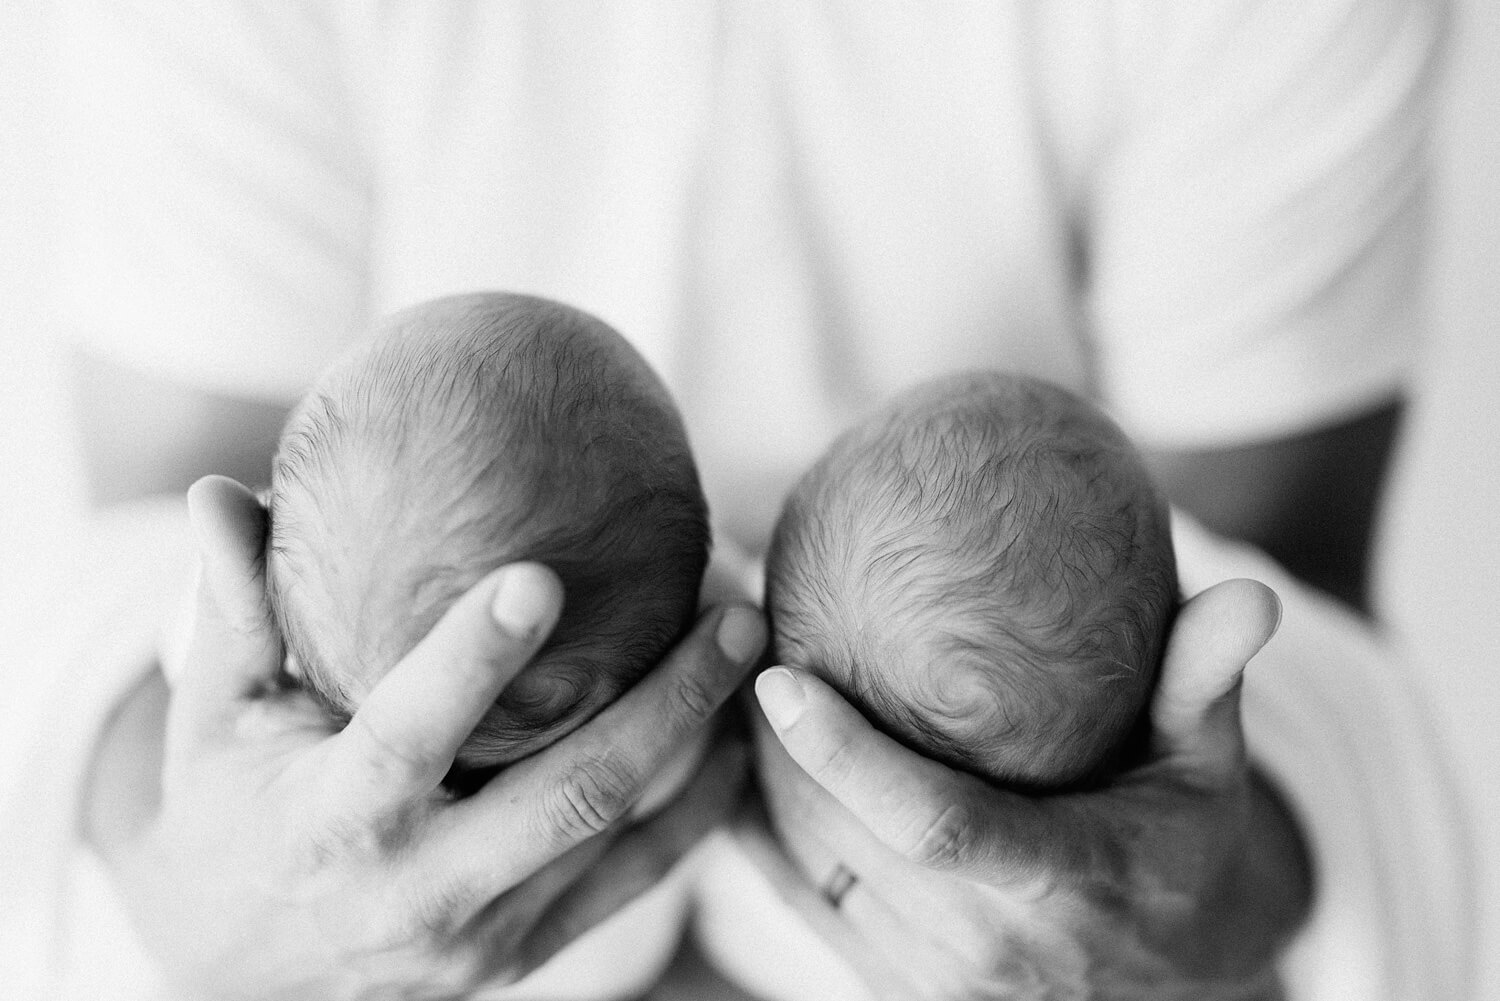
x=740 y=635
x=781 y=696
x=524 y=603
x=1280 y=611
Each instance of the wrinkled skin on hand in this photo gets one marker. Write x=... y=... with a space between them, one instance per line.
x=1182 y=878
x=291 y=860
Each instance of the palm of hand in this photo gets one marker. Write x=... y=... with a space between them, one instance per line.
x=966 y=890
x=289 y=858
x=284 y=871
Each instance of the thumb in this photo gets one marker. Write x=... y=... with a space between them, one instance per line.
x=1195 y=713
x=235 y=651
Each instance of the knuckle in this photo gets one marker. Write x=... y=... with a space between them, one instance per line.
x=440 y=912
x=385 y=762
x=591 y=798
x=348 y=842
x=431 y=947
x=346 y=837
x=693 y=698
x=339 y=840
x=836 y=760
x=940 y=842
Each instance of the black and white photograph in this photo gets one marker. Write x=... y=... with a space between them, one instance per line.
x=750 y=500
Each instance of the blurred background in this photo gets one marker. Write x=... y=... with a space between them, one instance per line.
x=1440 y=567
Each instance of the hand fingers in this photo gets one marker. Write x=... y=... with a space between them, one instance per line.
x=402 y=740
x=235 y=651
x=586 y=782
x=852 y=874
x=499 y=925
x=923 y=810
x=876 y=890
x=1195 y=712
x=811 y=903
x=817 y=832
x=641 y=857
x=895 y=905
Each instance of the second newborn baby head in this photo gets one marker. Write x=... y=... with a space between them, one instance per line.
x=475 y=431
x=984 y=569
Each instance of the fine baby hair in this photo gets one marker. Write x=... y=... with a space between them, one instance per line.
x=985 y=569
x=474 y=431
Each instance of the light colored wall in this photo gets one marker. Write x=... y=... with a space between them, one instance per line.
x=39 y=492
x=1441 y=569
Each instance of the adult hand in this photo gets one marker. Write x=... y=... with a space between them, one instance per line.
x=1182 y=878
x=292 y=860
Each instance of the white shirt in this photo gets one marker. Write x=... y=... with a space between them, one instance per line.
x=1204 y=214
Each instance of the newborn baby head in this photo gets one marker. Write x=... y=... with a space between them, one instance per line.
x=985 y=569
x=475 y=431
